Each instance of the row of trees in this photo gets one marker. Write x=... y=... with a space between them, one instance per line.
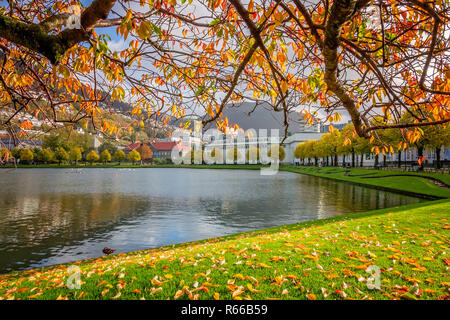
x=68 y=145
x=253 y=154
x=347 y=143
x=29 y=156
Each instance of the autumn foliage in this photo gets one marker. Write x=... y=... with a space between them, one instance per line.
x=371 y=59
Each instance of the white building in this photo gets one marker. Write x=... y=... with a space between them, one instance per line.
x=407 y=158
x=262 y=139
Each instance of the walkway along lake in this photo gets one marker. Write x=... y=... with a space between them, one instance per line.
x=52 y=216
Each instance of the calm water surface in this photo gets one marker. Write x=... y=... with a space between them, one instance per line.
x=51 y=216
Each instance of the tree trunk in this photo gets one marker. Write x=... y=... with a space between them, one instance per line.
x=384 y=160
x=376 y=161
x=335 y=160
x=353 y=159
x=438 y=158
x=399 y=163
x=340 y=13
x=362 y=160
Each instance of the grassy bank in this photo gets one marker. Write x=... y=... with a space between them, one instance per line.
x=324 y=259
x=409 y=182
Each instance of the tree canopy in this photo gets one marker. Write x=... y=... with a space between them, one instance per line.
x=134 y=156
x=92 y=156
x=105 y=156
x=171 y=59
x=145 y=152
x=119 y=156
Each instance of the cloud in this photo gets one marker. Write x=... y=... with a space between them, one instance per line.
x=118 y=45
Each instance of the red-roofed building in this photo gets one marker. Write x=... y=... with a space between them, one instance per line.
x=131 y=147
x=163 y=149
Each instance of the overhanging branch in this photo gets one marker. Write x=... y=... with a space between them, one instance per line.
x=36 y=37
x=341 y=12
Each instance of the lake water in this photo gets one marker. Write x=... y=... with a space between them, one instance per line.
x=52 y=216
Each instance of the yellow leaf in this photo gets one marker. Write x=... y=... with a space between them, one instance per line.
x=281 y=58
x=155 y=290
x=284 y=86
x=117 y=295
x=144 y=30
x=250 y=6
x=178 y=294
x=209 y=111
x=157 y=282
x=252 y=290
x=216 y=296
x=311 y=296
x=237 y=292
x=312 y=257
x=101 y=282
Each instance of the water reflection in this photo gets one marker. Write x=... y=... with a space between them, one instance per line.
x=51 y=216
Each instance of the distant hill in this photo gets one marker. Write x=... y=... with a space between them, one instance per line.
x=116 y=105
x=247 y=116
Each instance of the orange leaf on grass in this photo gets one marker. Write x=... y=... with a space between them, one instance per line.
x=311 y=296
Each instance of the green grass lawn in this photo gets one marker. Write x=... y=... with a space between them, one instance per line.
x=323 y=259
x=411 y=183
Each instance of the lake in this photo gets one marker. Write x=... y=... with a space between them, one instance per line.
x=52 y=216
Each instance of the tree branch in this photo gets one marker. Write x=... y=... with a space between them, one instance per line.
x=341 y=12
x=36 y=37
x=408 y=125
